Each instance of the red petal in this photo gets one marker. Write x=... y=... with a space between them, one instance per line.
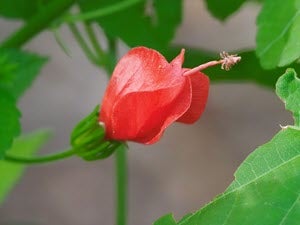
x=143 y=69
x=200 y=88
x=143 y=116
x=140 y=70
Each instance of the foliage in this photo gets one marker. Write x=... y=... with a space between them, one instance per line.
x=17 y=71
x=151 y=25
x=278 y=33
x=20 y=9
x=267 y=182
x=223 y=9
x=9 y=122
x=26 y=145
x=287 y=88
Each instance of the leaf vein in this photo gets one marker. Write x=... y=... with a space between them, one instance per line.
x=290 y=209
x=284 y=31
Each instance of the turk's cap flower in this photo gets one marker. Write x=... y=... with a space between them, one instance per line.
x=146 y=94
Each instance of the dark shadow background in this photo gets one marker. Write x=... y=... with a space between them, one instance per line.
x=185 y=170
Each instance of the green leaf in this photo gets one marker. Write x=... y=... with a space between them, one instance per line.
x=151 y=25
x=20 y=9
x=223 y=9
x=165 y=220
x=287 y=88
x=18 y=70
x=9 y=121
x=25 y=145
x=278 y=33
x=266 y=189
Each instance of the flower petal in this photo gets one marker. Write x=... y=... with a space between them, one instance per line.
x=143 y=116
x=146 y=70
x=200 y=88
x=140 y=70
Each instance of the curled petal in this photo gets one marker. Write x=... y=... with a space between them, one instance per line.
x=200 y=89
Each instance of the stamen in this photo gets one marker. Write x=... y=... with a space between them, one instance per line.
x=229 y=60
x=226 y=61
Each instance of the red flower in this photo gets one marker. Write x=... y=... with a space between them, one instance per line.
x=146 y=94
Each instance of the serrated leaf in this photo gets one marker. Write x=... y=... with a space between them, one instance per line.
x=266 y=189
x=18 y=70
x=287 y=88
x=20 y=9
x=9 y=121
x=278 y=33
x=25 y=145
x=151 y=25
x=223 y=9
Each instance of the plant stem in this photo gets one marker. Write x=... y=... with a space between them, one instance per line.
x=89 y=54
x=112 y=54
x=112 y=45
x=120 y=154
x=93 y=38
x=37 y=23
x=122 y=5
x=121 y=186
x=39 y=159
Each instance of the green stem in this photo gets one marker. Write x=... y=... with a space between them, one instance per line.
x=120 y=154
x=112 y=45
x=37 y=23
x=60 y=41
x=39 y=159
x=112 y=54
x=89 y=54
x=122 y=5
x=94 y=41
x=121 y=186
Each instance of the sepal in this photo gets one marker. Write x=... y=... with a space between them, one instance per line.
x=88 y=139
